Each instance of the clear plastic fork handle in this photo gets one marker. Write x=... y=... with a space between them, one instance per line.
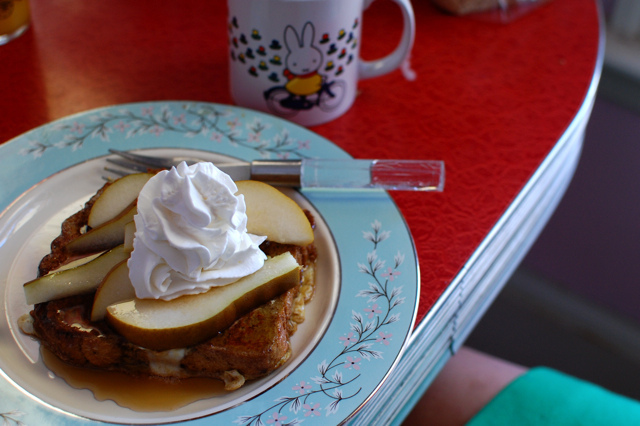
x=394 y=175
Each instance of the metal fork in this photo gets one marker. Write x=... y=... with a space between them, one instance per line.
x=397 y=175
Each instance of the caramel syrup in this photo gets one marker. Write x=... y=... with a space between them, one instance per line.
x=135 y=393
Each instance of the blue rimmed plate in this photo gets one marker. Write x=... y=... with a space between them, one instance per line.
x=356 y=326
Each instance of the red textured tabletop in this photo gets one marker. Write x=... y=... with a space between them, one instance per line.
x=491 y=99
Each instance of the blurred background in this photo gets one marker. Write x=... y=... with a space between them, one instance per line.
x=574 y=303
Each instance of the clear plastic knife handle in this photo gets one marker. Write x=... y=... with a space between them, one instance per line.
x=396 y=175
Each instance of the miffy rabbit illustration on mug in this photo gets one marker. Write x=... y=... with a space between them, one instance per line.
x=299 y=59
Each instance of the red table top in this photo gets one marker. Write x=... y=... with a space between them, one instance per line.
x=490 y=99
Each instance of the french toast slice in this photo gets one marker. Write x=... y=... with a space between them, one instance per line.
x=253 y=347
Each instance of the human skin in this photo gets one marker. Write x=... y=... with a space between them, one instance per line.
x=468 y=381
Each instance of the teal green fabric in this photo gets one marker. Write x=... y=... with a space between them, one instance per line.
x=544 y=396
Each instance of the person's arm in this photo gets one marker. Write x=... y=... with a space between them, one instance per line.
x=468 y=381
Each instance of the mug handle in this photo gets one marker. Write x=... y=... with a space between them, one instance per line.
x=369 y=69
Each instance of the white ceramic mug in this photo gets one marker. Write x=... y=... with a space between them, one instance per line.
x=299 y=59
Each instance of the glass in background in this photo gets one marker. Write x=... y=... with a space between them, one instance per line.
x=14 y=19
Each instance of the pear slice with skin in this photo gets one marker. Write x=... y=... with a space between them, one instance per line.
x=76 y=262
x=116 y=198
x=129 y=234
x=82 y=279
x=274 y=215
x=188 y=320
x=104 y=237
x=116 y=287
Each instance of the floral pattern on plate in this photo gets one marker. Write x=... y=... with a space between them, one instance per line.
x=338 y=376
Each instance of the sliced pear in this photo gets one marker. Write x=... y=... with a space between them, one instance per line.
x=129 y=233
x=188 y=320
x=104 y=237
x=274 y=215
x=116 y=198
x=116 y=287
x=76 y=262
x=71 y=282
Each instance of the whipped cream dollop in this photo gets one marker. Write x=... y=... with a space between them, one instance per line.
x=191 y=234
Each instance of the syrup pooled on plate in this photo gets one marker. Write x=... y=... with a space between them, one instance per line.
x=135 y=393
